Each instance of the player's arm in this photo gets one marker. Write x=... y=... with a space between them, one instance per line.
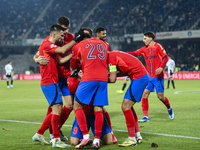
x=62 y=60
x=132 y=53
x=40 y=59
x=78 y=37
x=74 y=81
x=65 y=48
x=113 y=74
x=160 y=69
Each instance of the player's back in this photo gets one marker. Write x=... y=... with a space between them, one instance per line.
x=94 y=55
x=128 y=64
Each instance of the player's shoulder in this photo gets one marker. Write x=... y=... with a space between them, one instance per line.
x=158 y=45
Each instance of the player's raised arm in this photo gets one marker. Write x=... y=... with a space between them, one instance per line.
x=78 y=37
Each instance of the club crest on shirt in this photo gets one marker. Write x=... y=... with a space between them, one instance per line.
x=52 y=46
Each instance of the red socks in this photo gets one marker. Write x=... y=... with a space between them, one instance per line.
x=49 y=110
x=98 y=123
x=130 y=122
x=80 y=116
x=55 y=122
x=65 y=114
x=45 y=125
x=145 y=106
x=108 y=119
x=166 y=103
x=136 y=120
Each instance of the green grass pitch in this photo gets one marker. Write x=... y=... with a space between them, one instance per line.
x=24 y=107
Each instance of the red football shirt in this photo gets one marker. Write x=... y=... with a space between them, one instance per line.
x=128 y=64
x=49 y=73
x=64 y=69
x=153 y=57
x=93 y=54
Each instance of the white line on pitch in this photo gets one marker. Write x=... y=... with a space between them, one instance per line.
x=187 y=137
x=23 y=100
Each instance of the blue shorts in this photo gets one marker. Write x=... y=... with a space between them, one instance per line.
x=136 y=88
x=156 y=82
x=52 y=93
x=76 y=132
x=96 y=90
x=64 y=86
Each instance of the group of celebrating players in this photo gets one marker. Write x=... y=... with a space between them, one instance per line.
x=85 y=90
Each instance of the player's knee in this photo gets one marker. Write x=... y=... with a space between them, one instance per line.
x=110 y=142
x=74 y=141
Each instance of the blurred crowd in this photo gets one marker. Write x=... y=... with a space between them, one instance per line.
x=33 y=19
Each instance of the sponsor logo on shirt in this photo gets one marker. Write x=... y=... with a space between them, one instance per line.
x=152 y=57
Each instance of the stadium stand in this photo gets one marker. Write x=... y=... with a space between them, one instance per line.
x=32 y=20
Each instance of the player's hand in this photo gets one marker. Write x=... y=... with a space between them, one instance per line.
x=42 y=60
x=80 y=74
x=159 y=70
x=79 y=36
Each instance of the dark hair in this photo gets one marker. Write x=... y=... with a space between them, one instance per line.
x=63 y=21
x=150 y=34
x=99 y=29
x=89 y=30
x=56 y=28
x=9 y=61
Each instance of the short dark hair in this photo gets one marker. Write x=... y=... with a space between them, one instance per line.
x=56 y=28
x=99 y=29
x=63 y=21
x=89 y=30
x=150 y=34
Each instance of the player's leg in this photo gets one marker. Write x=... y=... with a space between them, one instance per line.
x=130 y=123
x=76 y=134
x=100 y=99
x=68 y=98
x=107 y=116
x=107 y=138
x=124 y=85
x=7 y=80
x=38 y=137
x=159 y=85
x=67 y=109
x=172 y=82
x=145 y=105
x=137 y=130
x=84 y=94
x=133 y=95
x=11 y=83
x=98 y=123
x=54 y=99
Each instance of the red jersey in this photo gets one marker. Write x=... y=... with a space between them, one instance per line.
x=72 y=85
x=64 y=69
x=93 y=54
x=49 y=73
x=128 y=64
x=105 y=43
x=153 y=57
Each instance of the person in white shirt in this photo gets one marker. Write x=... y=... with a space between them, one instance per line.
x=171 y=69
x=9 y=75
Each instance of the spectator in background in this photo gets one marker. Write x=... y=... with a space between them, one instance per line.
x=124 y=84
x=9 y=75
